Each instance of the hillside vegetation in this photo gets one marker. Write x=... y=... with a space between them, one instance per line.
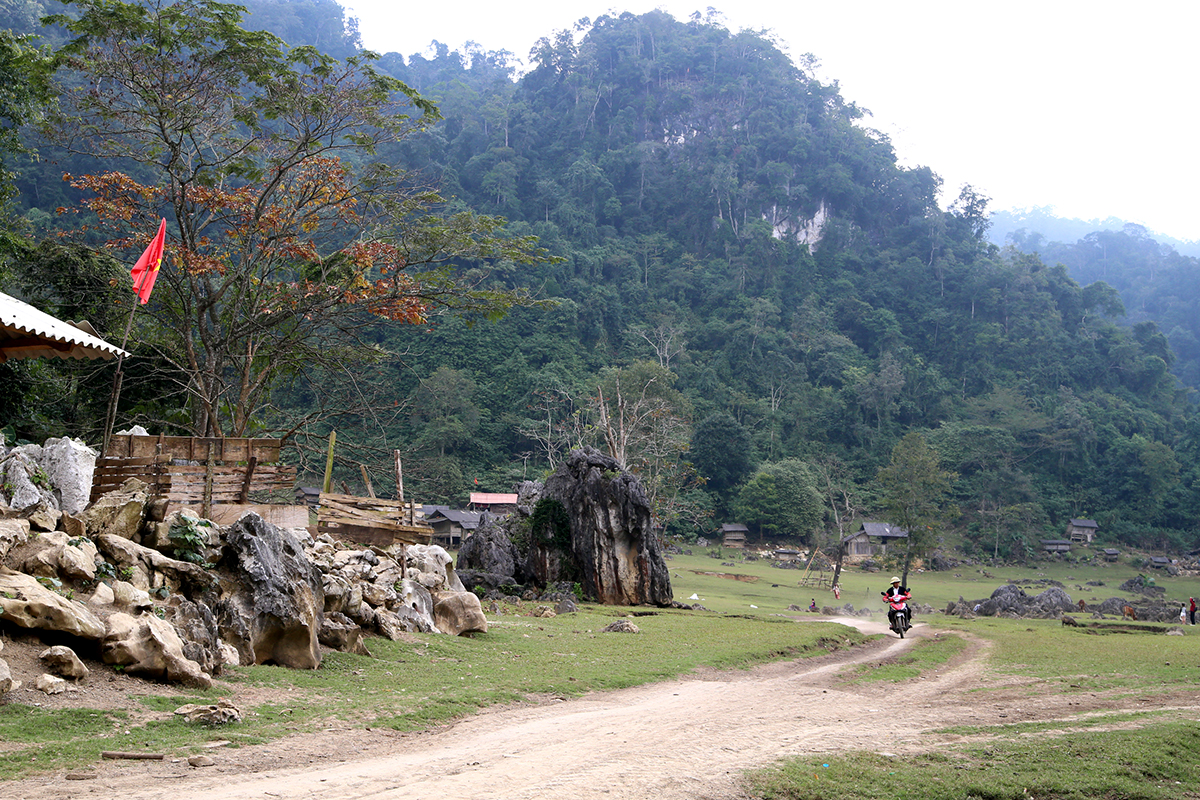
x=753 y=303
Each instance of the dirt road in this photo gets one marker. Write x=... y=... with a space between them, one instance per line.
x=688 y=738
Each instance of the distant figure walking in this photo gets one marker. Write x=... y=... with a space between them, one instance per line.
x=837 y=595
x=1183 y=613
x=1192 y=609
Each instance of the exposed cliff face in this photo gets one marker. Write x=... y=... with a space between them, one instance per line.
x=592 y=524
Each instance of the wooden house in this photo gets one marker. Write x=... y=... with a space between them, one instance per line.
x=1111 y=553
x=873 y=539
x=1160 y=562
x=451 y=526
x=734 y=534
x=1081 y=531
x=1056 y=545
x=786 y=554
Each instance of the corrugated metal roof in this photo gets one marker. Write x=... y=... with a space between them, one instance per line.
x=491 y=498
x=26 y=332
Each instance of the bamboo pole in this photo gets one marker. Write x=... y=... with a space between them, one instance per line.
x=329 y=463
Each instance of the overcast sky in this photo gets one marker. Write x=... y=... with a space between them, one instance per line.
x=1088 y=107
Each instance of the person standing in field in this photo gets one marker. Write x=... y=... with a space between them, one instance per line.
x=1192 y=609
x=1183 y=613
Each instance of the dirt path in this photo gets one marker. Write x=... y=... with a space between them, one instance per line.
x=688 y=738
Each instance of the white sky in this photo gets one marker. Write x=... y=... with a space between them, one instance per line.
x=1085 y=106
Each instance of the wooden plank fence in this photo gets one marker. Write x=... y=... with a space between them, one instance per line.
x=371 y=520
x=232 y=470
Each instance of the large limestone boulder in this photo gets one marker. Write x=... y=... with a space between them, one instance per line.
x=118 y=513
x=592 y=525
x=275 y=598
x=487 y=552
x=25 y=602
x=149 y=646
x=456 y=613
x=70 y=465
x=7 y=682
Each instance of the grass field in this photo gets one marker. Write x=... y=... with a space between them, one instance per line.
x=433 y=679
x=1159 y=758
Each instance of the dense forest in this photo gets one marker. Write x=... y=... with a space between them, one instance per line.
x=742 y=296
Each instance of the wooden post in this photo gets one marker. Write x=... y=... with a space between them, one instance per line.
x=328 y=485
x=206 y=502
x=367 y=480
x=399 y=477
x=244 y=496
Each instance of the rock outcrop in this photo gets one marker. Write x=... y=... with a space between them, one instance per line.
x=25 y=602
x=149 y=646
x=273 y=596
x=592 y=524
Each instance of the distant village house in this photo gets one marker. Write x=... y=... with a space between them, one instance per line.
x=1056 y=545
x=451 y=526
x=734 y=534
x=1081 y=531
x=495 y=502
x=873 y=539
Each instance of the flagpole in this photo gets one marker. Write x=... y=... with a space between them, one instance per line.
x=141 y=292
x=110 y=418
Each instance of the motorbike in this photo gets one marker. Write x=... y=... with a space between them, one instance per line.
x=900 y=619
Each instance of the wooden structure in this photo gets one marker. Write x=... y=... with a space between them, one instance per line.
x=1056 y=545
x=495 y=502
x=1082 y=531
x=734 y=534
x=371 y=520
x=1111 y=554
x=195 y=471
x=451 y=526
x=873 y=539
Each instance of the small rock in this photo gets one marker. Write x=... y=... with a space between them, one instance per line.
x=62 y=661
x=222 y=713
x=201 y=761
x=51 y=684
x=620 y=626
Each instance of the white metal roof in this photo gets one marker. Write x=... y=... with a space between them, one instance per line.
x=26 y=332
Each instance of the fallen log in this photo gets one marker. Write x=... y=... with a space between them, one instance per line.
x=137 y=756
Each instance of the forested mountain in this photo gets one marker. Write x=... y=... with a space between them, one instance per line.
x=754 y=304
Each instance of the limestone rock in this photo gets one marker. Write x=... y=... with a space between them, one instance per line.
x=394 y=624
x=62 y=661
x=102 y=595
x=25 y=483
x=433 y=567
x=25 y=602
x=7 y=682
x=599 y=528
x=343 y=634
x=490 y=551
x=54 y=555
x=42 y=517
x=149 y=646
x=130 y=599
x=456 y=613
x=13 y=534
x=70 y=465
x=151 y=569
x=118 y=513
x=274 y=610
x=197 y=629
x=51 y=684
x=620 y=626
x=222 y=713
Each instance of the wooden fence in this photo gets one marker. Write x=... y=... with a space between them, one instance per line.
x=371 y=521
x=230 y=470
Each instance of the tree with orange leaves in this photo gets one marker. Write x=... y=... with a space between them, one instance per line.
x=288 y=233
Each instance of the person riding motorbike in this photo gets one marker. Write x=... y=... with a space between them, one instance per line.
x=898 y=595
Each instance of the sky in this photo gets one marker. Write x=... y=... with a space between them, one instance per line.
x=1084 y=107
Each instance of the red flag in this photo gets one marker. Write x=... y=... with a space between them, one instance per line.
x=146 y=269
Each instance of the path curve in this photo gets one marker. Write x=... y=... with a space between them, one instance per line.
x=683 y=739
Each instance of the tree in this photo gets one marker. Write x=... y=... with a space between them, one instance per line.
x=915 y=490
x=290 y=237
x=781 y=499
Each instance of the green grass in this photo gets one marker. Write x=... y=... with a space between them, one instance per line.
x=1157 y=762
